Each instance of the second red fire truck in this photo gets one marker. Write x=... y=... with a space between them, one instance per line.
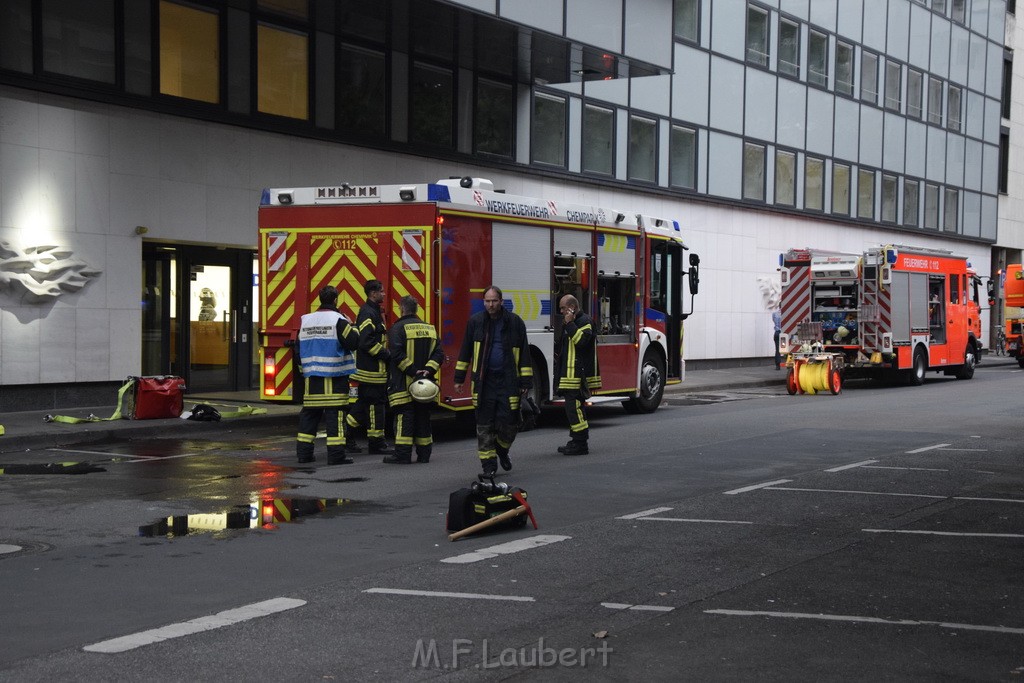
x=890 y=311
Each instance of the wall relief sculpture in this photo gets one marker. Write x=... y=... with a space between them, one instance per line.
x=40 y=274
x=771 y=291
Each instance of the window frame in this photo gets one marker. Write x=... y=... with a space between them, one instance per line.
x=781 y=154
x=889 y=211
x=747 y=181
x=870 y=175
x=673 y=179
x=953 y=109
x=915 y=94
x=836 y=168
x=845 y=87
x=819 y=195
x=693 y=7
x=950 y=193
x=793 y=69
x=631 y=160
x=868 y=95
x=764 y=57
x=893 y=85
x=935 y=89
x=932 y=192
x=816 y=77
x=911 y=205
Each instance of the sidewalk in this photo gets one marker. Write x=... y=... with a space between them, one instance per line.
x=28 y=429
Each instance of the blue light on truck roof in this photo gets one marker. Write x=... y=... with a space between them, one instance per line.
x=265 y=197
x=675 y=224
x=438 y=193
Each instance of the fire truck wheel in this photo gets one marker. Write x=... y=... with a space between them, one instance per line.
x=915 y=376
x=966 y=371
x=652 y=385
x=791 y=385
x=835 y=380
x=1020 y=361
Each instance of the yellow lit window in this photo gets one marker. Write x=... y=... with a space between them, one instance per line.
x=283 y=70
x=189 y=53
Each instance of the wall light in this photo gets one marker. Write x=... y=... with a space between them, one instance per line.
x=141 y=229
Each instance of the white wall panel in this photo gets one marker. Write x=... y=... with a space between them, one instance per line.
x=595 y=22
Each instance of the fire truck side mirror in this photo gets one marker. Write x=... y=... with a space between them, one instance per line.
x=694 y=273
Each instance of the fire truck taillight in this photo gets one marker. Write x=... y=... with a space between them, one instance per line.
x=269 y=372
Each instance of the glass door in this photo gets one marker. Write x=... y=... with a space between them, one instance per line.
x=212 y=327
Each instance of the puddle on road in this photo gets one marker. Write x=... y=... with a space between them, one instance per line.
x=50 y=468
x=263 y=514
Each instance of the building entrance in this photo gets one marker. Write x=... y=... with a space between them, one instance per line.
x=197 y=317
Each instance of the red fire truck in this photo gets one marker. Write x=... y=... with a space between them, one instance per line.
x=1011 y=281
x=444 y=243
x=890 y=310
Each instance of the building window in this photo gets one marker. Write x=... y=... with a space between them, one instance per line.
x=817 y=59
x=869 y=77
x=598 y=136
x=753 y=171
x=865 y=194
x=789 y=48
x=953 y=108
x=841 y=189
x=844 y=68
x=915 y=93
x=643 y=149
x=362 y=90
x=889 y=193
x=16 y=35
x=893 y=85
x=939 y=6
x=430 y=105
x=757 y=36
x=189 y=53
x=432 y=31
x=785 y=178
x=931 y=206
x=495 y=47
x=687 y=19
x=683 y=158
x=934 y=101
x=298 y=9
x=548 y=130
x=283 y=72
x=950 y=210
x=910 y=202
x=814 y=184
x=78 y=39
x=493 y=125
x=1007 y=81
x=1004 y=160
x=959 y=13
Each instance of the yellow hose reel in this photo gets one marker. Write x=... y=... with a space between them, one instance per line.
x=814 y=375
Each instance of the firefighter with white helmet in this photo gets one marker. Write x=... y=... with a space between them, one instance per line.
x=416 y=356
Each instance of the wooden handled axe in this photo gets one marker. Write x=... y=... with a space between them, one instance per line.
x=523 y=508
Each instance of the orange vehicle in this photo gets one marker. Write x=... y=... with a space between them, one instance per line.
x=892 y=310
x=444 y=243
x=1012 y=280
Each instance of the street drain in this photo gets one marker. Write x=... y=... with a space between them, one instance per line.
x=264 y=514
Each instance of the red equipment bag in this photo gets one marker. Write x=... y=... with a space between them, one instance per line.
x=153 y=398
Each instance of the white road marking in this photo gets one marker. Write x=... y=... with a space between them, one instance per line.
x=640 y=608
x=442 y=594
x=865 y=493
x=505 y=549
x=698 y=521
x=916 y=469
x=123 y=457
x=8 y=548
x=866 y=620
x=969 y=450
x=757 y=486
x=75 y=450
x=638 y=515
x=929 y=448
x=851 y=466
x=941 y=533
x=186 y=628
x=990 y=500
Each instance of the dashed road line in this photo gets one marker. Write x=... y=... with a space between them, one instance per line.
x=638 y=608
x=866 y=620
x=186 y=628
x=757 y=486
x=444 y=594
x=505 y=549
x=638 y=515
x=916 y=469
x=862 y=463
x=942 y=533
x=929 y=448
x=695 y=521
x=864 y=493
x=990 y=500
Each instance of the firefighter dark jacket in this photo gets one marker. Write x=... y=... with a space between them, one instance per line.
x=576 y=365
x=372 y=356
x=476 y=348
x=414 y=347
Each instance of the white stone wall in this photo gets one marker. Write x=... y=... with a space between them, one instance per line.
x=1011 y=205
x=84 y=175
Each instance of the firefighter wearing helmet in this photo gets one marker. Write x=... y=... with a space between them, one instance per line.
x=416 y=357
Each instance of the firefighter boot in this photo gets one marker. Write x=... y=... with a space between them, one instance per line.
x=490 y=465
x=378 y=447
x=506 y=462
x=423 y=453
x=574 y=448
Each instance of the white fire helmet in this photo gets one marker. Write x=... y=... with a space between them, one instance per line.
x=424 y=391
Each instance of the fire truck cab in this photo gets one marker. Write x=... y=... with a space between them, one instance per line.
x=891 y=309
x=444 y=243
x=1012 y=282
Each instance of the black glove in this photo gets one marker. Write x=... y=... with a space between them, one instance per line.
x=384 y=356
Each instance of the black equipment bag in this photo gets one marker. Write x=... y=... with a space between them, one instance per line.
x=482 y=500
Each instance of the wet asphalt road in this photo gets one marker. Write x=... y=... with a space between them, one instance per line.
x=737 y=535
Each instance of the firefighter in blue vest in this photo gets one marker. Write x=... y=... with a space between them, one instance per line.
x=371 y=370
x=325 y=345
x=576 y=372
x=415 y=354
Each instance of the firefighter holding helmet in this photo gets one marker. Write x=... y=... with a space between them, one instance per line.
x=416 y=357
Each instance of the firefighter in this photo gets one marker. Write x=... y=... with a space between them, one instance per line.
x=576 y=370
x=496 y=349
x=415 y=354
x=325 y=345
x=371 y=370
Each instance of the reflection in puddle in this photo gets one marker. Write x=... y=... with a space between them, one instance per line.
x=265 y=513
